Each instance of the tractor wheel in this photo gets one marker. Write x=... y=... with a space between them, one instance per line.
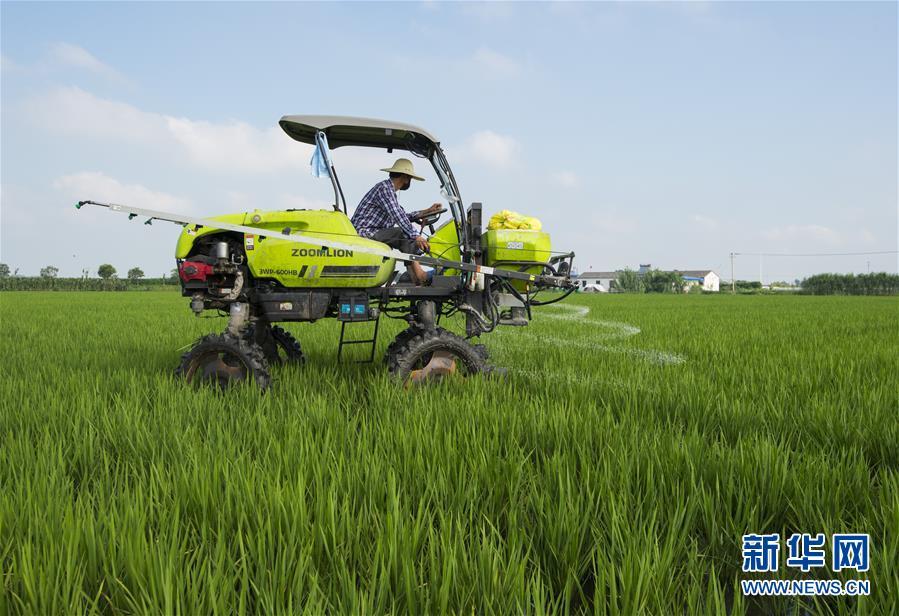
x=277 y=344
x=221 y=360
x=431 y=355
x=288 y=346
x=398 y=343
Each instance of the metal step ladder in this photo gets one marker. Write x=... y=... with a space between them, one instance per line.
x=373 y=341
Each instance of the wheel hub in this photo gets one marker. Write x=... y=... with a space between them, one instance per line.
x=442 y=363
x=221 y=367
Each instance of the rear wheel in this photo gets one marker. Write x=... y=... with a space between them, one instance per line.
x=221 y=361
x=430 y=356
x=289 y=349
x=277 y=344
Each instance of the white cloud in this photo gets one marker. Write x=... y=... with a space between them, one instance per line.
x=566 y=179
x=72 y=111
x=495 y=63
x=236 y=146
x=100 y=187
x=491 y=148
x=78 y=57
x=229 y=146
x=704 y=222
x=815 y=233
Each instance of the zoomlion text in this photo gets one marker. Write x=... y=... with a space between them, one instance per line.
x=320 y=252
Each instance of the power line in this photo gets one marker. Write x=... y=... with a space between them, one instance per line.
x=815 y=254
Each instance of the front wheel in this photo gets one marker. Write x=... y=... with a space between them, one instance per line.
x=433 y=355
x=221 y=361
x=399 y=344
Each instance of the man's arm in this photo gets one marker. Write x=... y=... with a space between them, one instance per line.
x=398 y=214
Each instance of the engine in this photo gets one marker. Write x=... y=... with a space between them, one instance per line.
x=213 y=275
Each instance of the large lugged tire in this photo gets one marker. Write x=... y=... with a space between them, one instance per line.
x=221 y=360
x=259 y=334
x=432 y=355
x=288 y=348
x=277 y=344
x=401 y=340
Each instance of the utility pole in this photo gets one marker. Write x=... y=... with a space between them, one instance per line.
x=760 y=270
x=733 y=282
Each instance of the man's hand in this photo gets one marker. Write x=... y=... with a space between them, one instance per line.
x=434 y=207
x=422 y=243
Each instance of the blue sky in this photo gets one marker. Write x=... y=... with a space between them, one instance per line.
x=663 y=133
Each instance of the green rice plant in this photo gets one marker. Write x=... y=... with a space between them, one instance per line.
x=635 y=439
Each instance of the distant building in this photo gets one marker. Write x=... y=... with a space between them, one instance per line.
x=602 y=282
x=599 y=282
x=707 y=279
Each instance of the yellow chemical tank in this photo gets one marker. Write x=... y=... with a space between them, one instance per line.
x=514 y=248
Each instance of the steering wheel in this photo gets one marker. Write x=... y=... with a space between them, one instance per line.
x=426 y=218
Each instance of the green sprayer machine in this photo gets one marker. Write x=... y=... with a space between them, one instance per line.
x=267 y=267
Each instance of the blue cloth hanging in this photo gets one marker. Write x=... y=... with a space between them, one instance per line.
x=321 y=157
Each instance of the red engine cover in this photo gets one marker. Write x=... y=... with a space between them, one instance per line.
x=194 y=270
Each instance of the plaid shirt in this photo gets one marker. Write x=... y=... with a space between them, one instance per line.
x=379 y=209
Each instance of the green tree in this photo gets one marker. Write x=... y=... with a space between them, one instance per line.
x=106 y=271
x=657 y=281
x=49 y=272
x=4 y=270
x=748 y=285
x=629 y=281
x=875 y=283
x=135 y=274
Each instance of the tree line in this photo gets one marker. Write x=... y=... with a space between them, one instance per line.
x=107 y=280
x=875 y=283
x=657 y=281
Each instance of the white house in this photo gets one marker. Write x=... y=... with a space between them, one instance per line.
x=707 y=279
x=600 y=282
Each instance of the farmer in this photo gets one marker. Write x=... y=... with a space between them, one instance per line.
x=380 y=217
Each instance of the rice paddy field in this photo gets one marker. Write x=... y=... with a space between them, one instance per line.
x=614 y=471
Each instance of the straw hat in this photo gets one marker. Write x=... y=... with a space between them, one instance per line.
x=404 y=166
